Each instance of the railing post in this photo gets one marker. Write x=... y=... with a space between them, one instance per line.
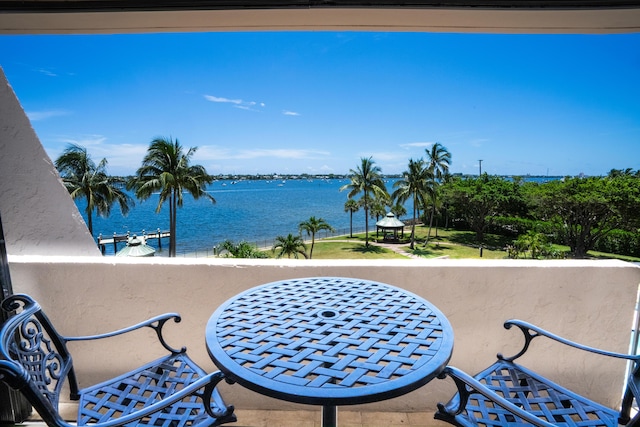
x=13 y=407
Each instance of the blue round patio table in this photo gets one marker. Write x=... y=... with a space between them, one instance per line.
x=329 y=341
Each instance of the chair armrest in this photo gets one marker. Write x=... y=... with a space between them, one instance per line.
x=156 y=323
x=208 y=382
x=467 y=385
x=13 y=374
x=531 y=331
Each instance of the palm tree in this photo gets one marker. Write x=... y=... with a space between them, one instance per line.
x=367 y=178
x=312 y=226
x=351 y=206
x=413 y=186
x=378 y=206
x=166 y=169
x=290 y=245
x=439 y=159
x=399 y=210
x=84 y=179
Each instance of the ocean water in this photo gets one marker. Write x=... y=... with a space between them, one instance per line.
x=254 y=211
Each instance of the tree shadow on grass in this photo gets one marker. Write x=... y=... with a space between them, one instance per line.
x=371 y=249
x=431 y=252
x=490 y=240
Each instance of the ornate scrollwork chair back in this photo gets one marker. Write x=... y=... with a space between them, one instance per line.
x=172 y=390
x=36 y=360
x=509 y=394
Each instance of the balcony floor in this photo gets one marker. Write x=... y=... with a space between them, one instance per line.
x=251 y=418
x=273 y=418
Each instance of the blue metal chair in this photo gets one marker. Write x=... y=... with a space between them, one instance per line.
x=171 y=391
x=509 y=394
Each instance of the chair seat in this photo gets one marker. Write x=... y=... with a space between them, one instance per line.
x=533 y=393
x=149 y=384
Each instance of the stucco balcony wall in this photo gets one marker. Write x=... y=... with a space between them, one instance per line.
x=589 y=301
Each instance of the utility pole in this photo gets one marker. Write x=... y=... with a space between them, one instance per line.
x=480 y=166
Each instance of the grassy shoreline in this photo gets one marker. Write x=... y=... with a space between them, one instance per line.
x=452 y=244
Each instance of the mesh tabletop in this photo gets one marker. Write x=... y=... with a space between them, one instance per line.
x=329 y=340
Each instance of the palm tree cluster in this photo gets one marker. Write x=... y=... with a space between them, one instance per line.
x=419 y=183
x=166 y=169
x=413 y=185
x=366 y=179
x=292 y=245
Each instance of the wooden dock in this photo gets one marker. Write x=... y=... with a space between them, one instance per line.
x=103 y=241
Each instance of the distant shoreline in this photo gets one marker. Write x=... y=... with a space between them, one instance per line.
x=272 y=177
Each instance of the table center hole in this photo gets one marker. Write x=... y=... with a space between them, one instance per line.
x=328 y=314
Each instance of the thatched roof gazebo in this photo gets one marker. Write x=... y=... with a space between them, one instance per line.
x=390 y=225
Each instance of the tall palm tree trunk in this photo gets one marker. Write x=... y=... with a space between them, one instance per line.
x=89 y=221
x=366 y=220
x=433 y=212
x=89 y=197
x=351 y=224
x=313 y=242
x=172 y=224
x=413 y=224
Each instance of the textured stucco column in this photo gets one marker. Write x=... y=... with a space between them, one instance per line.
x=38 y=215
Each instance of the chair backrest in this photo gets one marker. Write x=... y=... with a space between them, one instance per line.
x=34 y=357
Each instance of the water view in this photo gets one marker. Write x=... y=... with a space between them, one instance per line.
x=254 y=211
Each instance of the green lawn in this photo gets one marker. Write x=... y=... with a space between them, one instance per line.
x=326 y=249
x=337 y=248
x=455 y=251
x=453 y=244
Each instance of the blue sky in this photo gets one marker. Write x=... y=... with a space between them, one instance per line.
x=291 y=102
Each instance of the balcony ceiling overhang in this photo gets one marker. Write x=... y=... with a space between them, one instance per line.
x=466 y=16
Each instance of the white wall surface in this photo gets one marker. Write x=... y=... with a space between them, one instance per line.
x=589 y=301
x=38 y=216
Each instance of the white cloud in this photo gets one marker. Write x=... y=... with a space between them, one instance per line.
x=290 y=113
x=282 y=153
x=386 y=156
x=47 y=72
x=223 y=100
x=218 y=153
x=123 y=158
x=43 y=115
x=85 y=140
x=417 y=145
x=238 y=103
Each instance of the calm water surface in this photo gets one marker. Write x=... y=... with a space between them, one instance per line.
x=255 y=211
